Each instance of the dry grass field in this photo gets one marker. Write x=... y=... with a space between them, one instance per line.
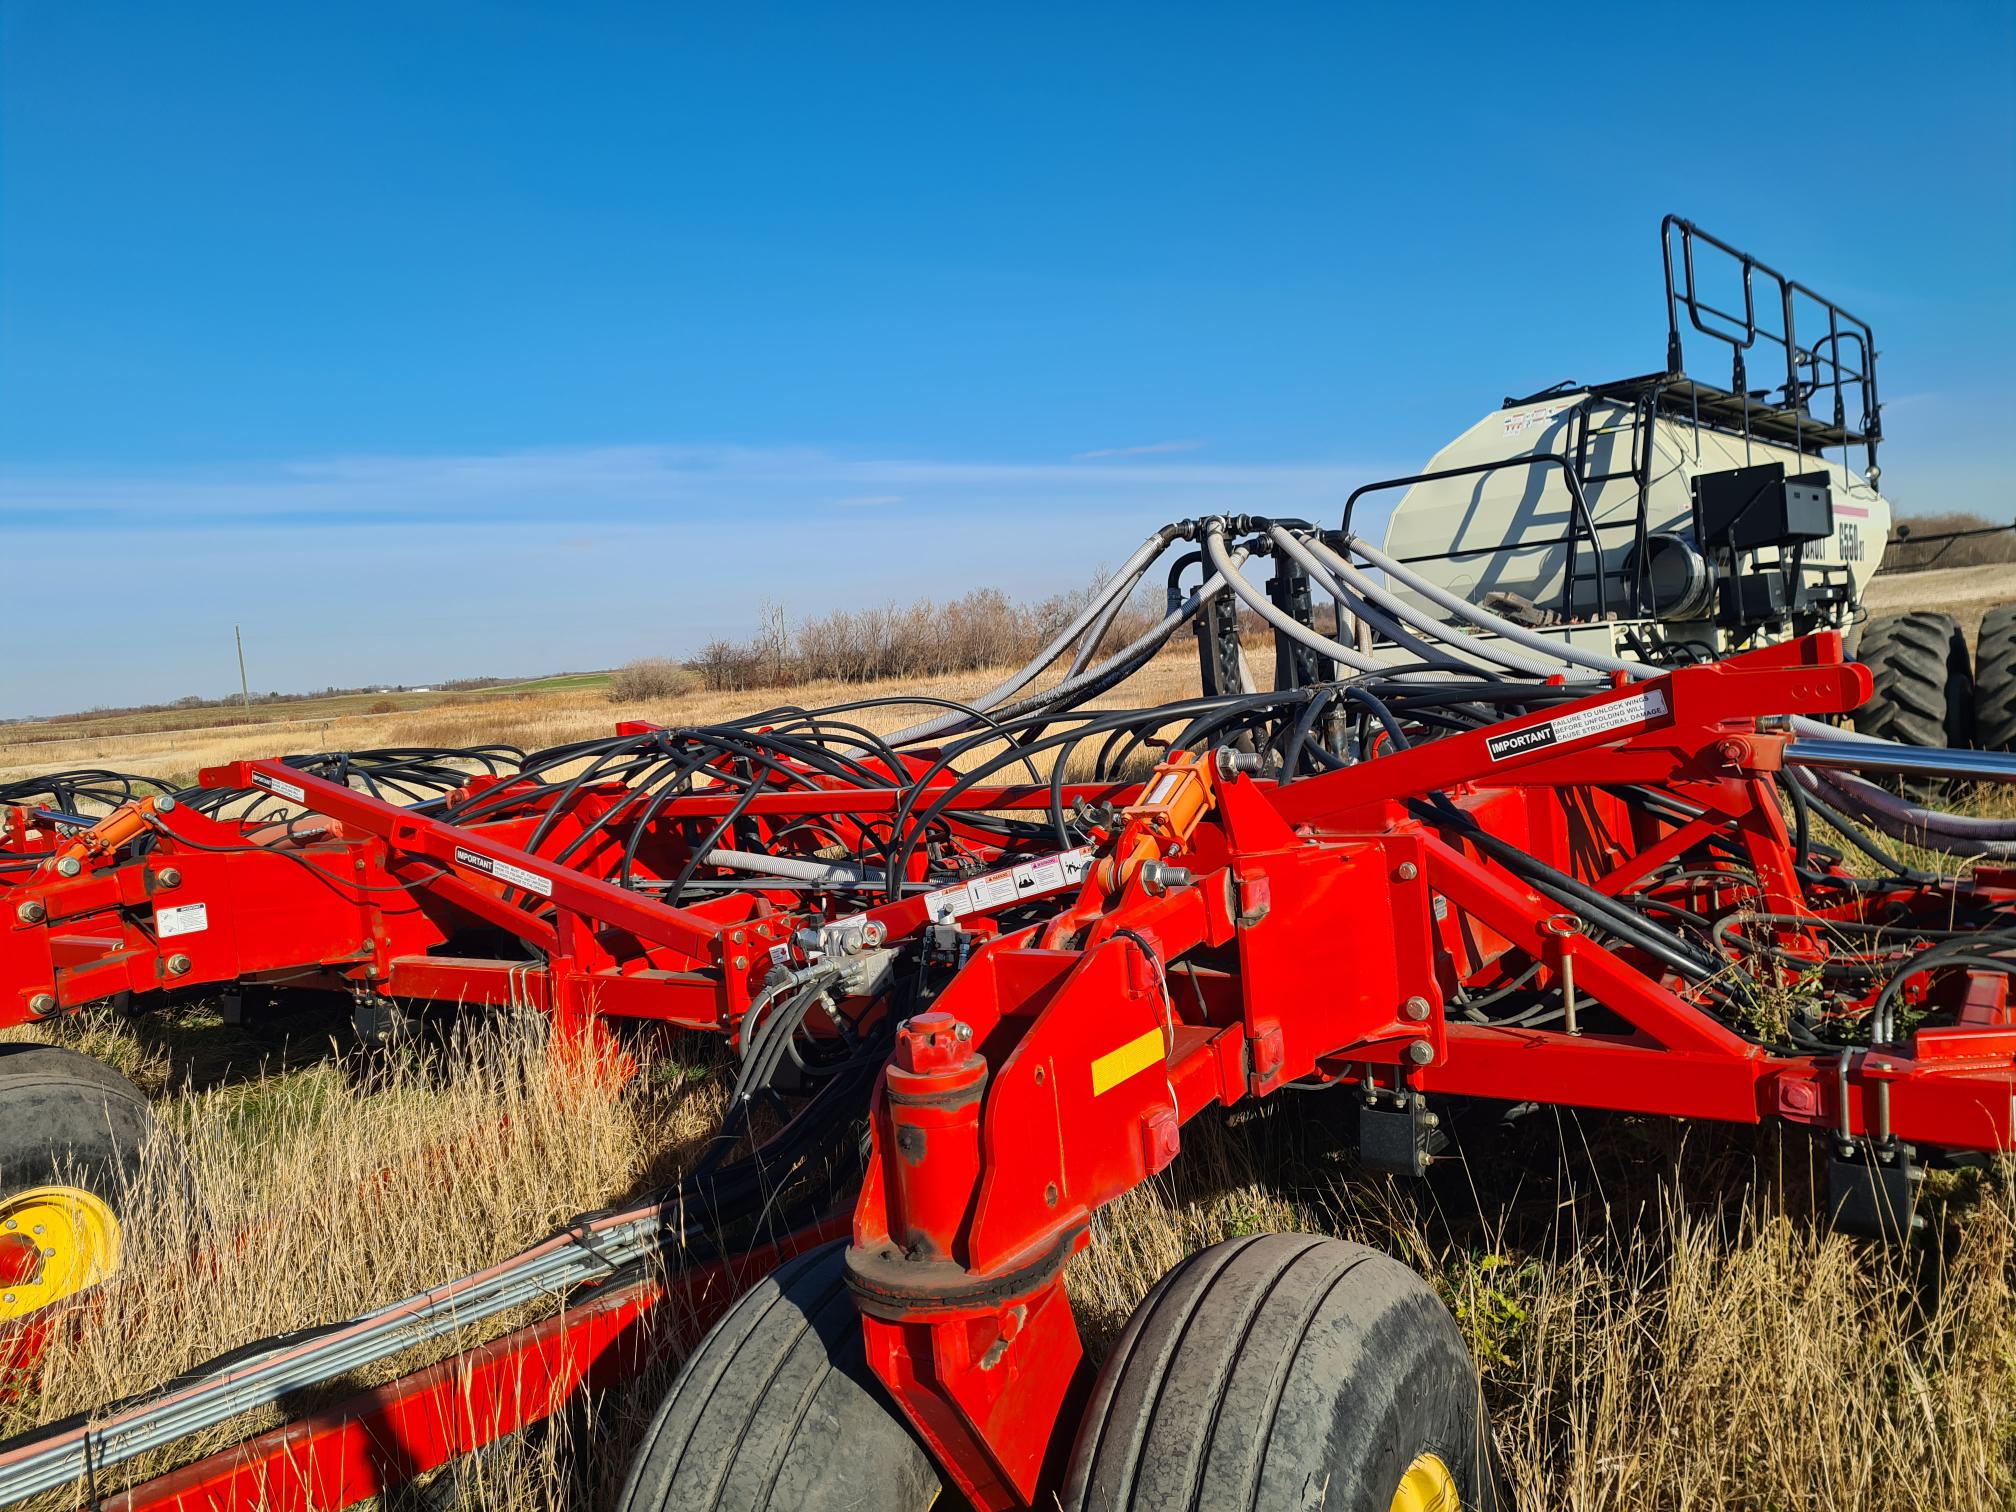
x=1660 y=1321
x=531 y=717
x=1966 y=593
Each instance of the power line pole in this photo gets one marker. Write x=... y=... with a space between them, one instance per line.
x=244 y=688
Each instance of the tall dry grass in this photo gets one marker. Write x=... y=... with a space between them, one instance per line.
x=280 y=1199
x=1659 y=1318
x=1659 y=1321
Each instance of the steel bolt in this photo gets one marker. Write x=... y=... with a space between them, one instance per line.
x=739 y=936
x=42 y=1002
x=31 y=912
x=741 y=963
x=1415 y=1008
x=1407 y=871
x=178 y=964
x=165 y=803
x=168 y=876
x=1231 y=762
x=962 y=1032
x=68 y=866
x=1420 y=1052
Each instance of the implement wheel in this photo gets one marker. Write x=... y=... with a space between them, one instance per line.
x=1995 y=681
x=1286 y=1371
x=1924 y=683
x=777 y=1411
x=71 y=1135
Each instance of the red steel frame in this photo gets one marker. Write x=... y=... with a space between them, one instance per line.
x=383 y=1438
x=372 y=895
x=1236 y=937
x=1056 y=1072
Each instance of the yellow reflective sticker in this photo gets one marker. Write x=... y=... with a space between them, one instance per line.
x=1115 y=1066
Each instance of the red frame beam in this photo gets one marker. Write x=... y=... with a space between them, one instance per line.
x=387 y=1436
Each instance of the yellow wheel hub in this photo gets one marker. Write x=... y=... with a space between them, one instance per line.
x=77 y=1236
x=1426 y=1487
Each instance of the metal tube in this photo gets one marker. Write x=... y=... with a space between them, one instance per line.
x=1884 y=756
x=802 y=868
x=548 y=1268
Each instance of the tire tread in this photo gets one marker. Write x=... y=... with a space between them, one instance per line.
x=1995 y=680
x=1924 y=684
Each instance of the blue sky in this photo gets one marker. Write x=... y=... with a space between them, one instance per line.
x=443 y=337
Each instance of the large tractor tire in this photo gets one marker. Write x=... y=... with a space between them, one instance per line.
x=72 y=1134
x=1995 y=681
x=1924 y=681
x=1286 y=1371
x=777 y=1411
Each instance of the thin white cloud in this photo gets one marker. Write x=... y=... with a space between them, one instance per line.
x=635 y=484
x=1153 y=448
x=559 y=558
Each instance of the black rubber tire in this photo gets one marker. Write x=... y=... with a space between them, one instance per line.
x=1924 y=680
x=777 y=1411
x=66 y=1117
x=1284 y=1371
x=1995 y=681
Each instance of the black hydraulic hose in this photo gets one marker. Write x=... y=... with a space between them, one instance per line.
x=1298 y=742
x=1802 y=819
x=1856 y=836
x=910 y=823
x=1577 y=897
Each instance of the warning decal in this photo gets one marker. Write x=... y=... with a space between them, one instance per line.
x=275 y=785
x=183 y=918
x=1030 y=879
x=1624 y=714
x=504 y=871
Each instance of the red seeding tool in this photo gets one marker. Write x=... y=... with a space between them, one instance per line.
x=505 y=888
x=1438 y=860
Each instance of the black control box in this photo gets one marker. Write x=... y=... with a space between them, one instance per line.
x=1748 y=507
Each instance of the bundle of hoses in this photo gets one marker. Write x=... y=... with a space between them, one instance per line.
x=1913 y=823
x=1473 y=641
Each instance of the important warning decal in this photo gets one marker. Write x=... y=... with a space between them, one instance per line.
x=1625 y=714
x=274 y=784
x=183 y=918
x=504 y=871
x=1030 y=879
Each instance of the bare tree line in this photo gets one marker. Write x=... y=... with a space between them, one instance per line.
x=928 y=638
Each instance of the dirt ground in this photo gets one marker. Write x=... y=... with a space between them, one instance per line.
x=1967 y=593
